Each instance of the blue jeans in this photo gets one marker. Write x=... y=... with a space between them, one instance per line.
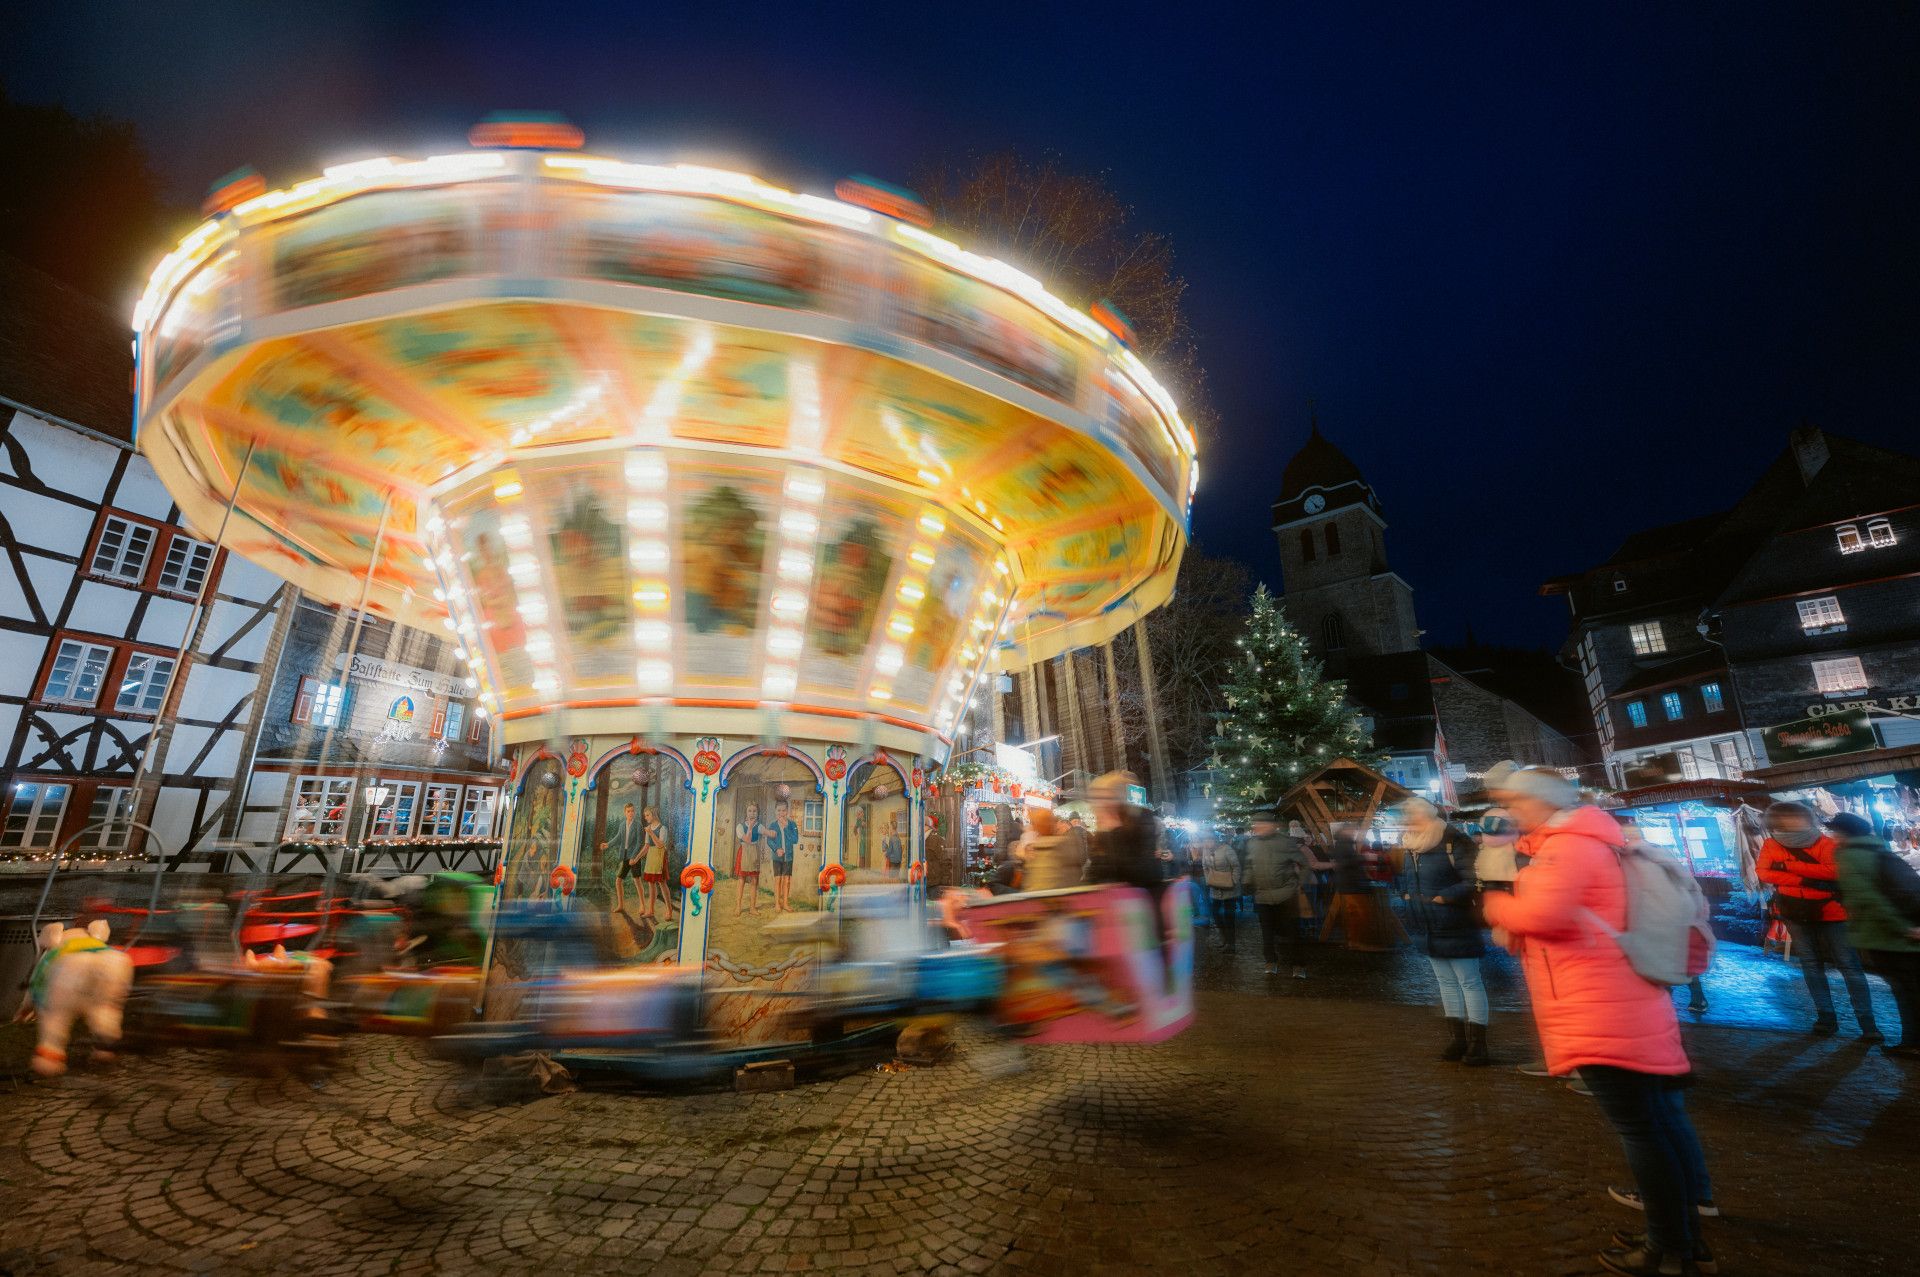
x=1663 y=1153
x=1463 y=992
x=1820 y=944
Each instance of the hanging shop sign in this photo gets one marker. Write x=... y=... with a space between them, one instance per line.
x=1841 y=732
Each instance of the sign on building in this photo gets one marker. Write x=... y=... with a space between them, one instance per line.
x=1846 y=732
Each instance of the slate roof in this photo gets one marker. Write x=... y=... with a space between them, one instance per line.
x=64 y=354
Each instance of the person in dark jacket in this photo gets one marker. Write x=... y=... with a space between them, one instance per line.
x=1441 y=886
x=1127 y=838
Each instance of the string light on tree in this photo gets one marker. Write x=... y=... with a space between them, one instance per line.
x=1281 y=717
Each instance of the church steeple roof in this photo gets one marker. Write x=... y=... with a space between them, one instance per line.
x=1324 y=473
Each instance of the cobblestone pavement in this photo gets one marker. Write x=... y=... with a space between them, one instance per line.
x=1296 y=1128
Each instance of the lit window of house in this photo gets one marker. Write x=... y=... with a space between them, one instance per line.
x=33 y=816
x=1670 y=705
x=1850 y=538
x=1879 y=533
x=1821 y=615
x=1841 y=674
x=79 y=670
x=144 y=689
x=320 y=805
x=1648 y=638
x=1710 y=696
x=319 y=703
x=111 y=817
x=1637 y=713
x=441 y=811
x=394 y=818
x=123 y=549
x=476 y=812
x=185 y=569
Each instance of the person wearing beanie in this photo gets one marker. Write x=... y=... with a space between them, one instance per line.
x=1594 y=1011
x=1882 y=892
x=1798 y=862
x=1499 y=861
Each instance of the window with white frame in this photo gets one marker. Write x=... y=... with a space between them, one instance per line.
x=1648 y=638
x=320 y=808
x=319 y=703
x=440 y=811
x=123 y=549
x=394 y=818
x=1710 y=696
x=111 y=817
x=1619 y=585
x=34 y=809
x=185 y=568
x=1848 y=534
x=144 y=689
x=813 y=818
x=1728 y=753
x=1841 y=674
x=1821 y=615
x=1880 y=533
x=456 y=719
x=79 y=671
x=476 y=812
x=1637 y=713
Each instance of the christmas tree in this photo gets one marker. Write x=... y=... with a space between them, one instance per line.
x=1282 y=721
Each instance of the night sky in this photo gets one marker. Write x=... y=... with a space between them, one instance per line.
x=1551 y=272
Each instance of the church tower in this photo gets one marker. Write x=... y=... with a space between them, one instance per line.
x=1339 y=592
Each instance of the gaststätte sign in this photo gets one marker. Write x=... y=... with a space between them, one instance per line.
x=1846 y=732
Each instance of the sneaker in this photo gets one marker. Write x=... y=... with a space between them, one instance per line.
x=1631 y=1200
x=1642 y=1260
x=1872 y=1037
x=1698 y=1008
x=1272 y=969
x=1536 y=1069
x=1299 y=973
x=1579 y=1087
x=1703 y=1260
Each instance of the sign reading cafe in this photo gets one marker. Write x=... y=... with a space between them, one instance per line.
x=1909 y=704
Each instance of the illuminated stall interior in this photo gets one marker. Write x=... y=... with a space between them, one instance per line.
x=729 y=497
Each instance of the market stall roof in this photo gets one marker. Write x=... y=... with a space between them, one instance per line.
x=1839 y=769
x=1342 y=791
x=1730 y=792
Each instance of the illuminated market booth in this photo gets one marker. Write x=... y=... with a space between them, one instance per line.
x=729 y=497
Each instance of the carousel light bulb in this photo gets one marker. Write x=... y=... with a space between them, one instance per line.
x=932 y=524
x=652 y=634
x=654 y=676
x=789 y=603
x=650 y=516
x=798 y=525
x=796 y=565
x=805 y=487
x=784 y=641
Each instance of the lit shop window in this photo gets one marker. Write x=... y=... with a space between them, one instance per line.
x=1710 y=694
x=33 y=816
x=1670 y=705
x=442 y=810
x=320 y=805
x=1822 y=615
x=476 y=812
x=1648 y=638
x=1842 y=674
x=111 y=817
x=79 y=670
x=144 y=689
x=394 y=818
x=123 y=549
x=1879 y=533
x=1637 y=713
x=185 y=569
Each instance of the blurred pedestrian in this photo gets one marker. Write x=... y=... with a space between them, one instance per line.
x=1055 y=855
x=1797 y=860
x=1499 y=861
x=1882 y=892
x=1366 y=923
x=1277 y=865
x=1222 y=870
x=1441 y=887
x=1126 y=839
x=1595 y=1013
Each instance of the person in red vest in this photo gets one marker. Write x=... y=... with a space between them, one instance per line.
x=1797 y=861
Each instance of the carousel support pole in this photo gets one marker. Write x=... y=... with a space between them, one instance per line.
x=1074 y=719
x=700 y=839
x=346 y=669
x=1156 y=743
x=1115 y=719
x=998 y=708
x=1030 y=704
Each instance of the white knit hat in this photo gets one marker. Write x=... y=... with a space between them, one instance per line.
x=1547 y=786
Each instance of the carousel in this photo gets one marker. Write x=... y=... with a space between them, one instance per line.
x=730 y=498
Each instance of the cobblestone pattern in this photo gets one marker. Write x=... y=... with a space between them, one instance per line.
x=1284 y=1133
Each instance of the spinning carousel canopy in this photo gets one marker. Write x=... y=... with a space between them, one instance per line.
x=644 y=434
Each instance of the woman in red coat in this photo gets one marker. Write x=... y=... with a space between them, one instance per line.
x=1797 y=861
x=1596 y=1014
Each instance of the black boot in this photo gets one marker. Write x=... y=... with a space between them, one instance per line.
x=1457 y=1047
x=1477 y=1045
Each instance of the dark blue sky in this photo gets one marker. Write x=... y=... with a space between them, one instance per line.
x=1552 y=272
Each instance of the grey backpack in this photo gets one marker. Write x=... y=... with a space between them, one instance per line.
x=1669 y=933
